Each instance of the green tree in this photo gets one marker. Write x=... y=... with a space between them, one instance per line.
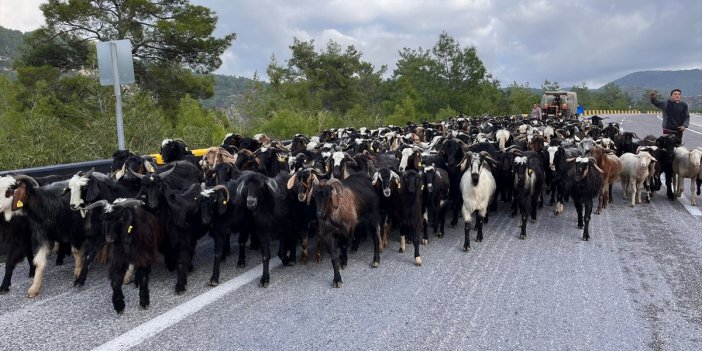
x=446 y=75
x=167 y=37
x=519 y=98
x=550 y=86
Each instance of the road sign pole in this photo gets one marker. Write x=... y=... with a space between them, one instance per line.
x=118 y=96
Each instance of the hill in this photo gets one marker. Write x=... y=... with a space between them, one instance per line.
x=10 y=41
x=689 y=81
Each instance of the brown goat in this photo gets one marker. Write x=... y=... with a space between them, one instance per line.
x=214 y=156
x=341 y=206
x=611 y=167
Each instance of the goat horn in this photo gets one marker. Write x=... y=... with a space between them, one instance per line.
x=336 y=184
x=138 y=175
x=89 y=173
x=220 y=187
x=27 y=178
x=100 y=203
x=594 y=164
x=570 y=159
x=129 y=202
x=168 y=172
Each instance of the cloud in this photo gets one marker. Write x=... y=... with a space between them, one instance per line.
x=24 y=17
x=569 y=41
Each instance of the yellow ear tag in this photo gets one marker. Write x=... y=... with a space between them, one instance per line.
x=422 y=187
x=20 y=204
x=530 y=172
x=224 y=202
x=129 y=230
x=399 y=186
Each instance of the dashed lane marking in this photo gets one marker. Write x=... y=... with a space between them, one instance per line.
x=148 y=329
x=694 y=210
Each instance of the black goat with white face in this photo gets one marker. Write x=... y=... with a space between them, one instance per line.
x=387 y=184
x=85 y=189
x=51 y=220
x=14 y=232
x=528 y=182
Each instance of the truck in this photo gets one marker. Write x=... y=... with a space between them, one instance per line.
x=559 y=104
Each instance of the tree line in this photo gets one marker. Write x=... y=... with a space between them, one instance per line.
x=53 y=109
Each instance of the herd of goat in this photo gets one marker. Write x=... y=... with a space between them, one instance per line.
x=342 y=186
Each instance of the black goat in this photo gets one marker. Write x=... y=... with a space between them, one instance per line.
x=665 y=155
x=528 y=182
x=14 y=233
x=51 y=220
x=587 y=185
x=437 y=192
x=411 y=213
x=135 y=235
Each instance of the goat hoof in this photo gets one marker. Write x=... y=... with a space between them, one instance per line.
x=338 y=284
x=425 y=242
x=440 y=235
x=241 y=264
x=179 y=289
x=78 y=284
x=375 y=264
x=343 y=266
x=32 y=293
x=119 y=306
x=418 y=261
x=4 y=290
x=144 y=306
x=465 y=248
x=213 y=282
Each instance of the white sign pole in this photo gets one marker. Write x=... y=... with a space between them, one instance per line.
x=118 y=96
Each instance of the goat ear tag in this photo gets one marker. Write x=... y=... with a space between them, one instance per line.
x=20 y=204
x=530 y=172
x=129 y=230
x=224 y=202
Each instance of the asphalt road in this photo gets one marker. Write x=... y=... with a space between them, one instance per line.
x=636 y=285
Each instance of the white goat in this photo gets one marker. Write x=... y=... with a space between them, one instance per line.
x=635 y=169
x=686 y=164
x=477 y=187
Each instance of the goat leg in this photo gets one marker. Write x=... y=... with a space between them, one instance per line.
x=40 y=263
x=415 y=241
x=265 y=258
x=218 y=254
x=142 y=276
x=343 y=252
x=116 y=279
x=479 y=224
x=588 y=212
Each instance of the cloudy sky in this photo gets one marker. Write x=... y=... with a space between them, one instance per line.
x=568 y=41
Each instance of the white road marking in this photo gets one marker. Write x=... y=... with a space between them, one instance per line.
x=694 y=210
x=686 y=129
x=148 y=329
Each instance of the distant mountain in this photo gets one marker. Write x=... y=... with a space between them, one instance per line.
x=10 y=42
x=228 y=91
x=689 y=81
